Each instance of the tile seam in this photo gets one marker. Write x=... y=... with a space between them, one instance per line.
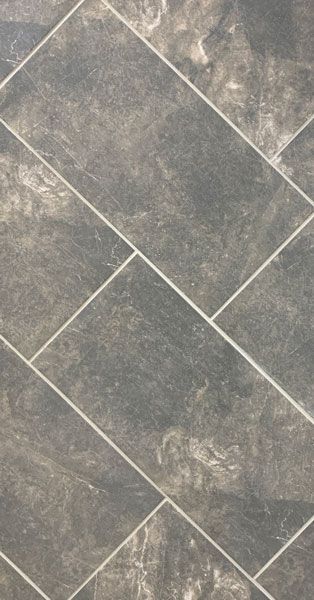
x=165 y=278
x=296 y=133
x=102 y=434
x=23 y=575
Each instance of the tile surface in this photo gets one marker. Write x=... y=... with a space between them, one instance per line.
x=272 y=318
x=251 y=58
x=190 y=411
x=23 y=23
x=297 y=160
x=168 y=559
x=13 y=586
x=54 y=250
x=152 y=156
x=68 y=499
x=291 y=575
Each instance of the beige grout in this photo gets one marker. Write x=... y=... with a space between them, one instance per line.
x=86 y=303
x=118 y=548
x=296 y=133
x=206 y=99
x=163 y=276
x=284 y=547
x=41 y=43
x=131 y=462
x=23 y=575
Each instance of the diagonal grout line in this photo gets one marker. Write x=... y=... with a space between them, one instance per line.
x=296 y=133
x=284 y=547
x=132 y=463
x=23 y=575
x=127 y=539
x=86 y=303
x=207 y=100
x=163 y=276
x=265 y=263
x=41 y=43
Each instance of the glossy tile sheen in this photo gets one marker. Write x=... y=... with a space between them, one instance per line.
x=190 y=411
x=23 y=23
x=291 y=575
x=168 y=559
x=297 y=160
x=13 y=586
x=152 y=156
x=68 y=499
x=272 y=318
x=251 y=58
x=54 y=251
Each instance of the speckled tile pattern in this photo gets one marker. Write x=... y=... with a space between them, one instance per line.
x=23 y=23
x=156 y=431
x=166 y=559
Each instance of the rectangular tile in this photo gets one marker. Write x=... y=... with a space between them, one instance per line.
x=190 y=411
x=13 y=586
x=23 y=23
x=68 y=499
x=272 y=318
x=55 y=252
x=152 y=156
x=291 y=575
x=251 y=58
x=168 y=558
x=297 y=160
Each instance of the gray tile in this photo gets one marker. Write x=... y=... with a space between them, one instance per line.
x=291 y=576
x=169 y=559
x=251 y=58
x=152 y=156
x=67 y=498
x=23 y=23
x=54 y=252
x=297 y=160
x=190 y=411
x=272 y=318
x=13 y=586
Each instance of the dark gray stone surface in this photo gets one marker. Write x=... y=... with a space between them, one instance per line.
x=13 y=586
x=297 y=158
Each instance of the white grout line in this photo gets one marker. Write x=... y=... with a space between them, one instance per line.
x=131 y=462
x=86 y=303
x=23 y=575
x=127 y=539
x=163 y=276
x=262 y=267
x=284 y=547
x=40 y=44
x=206 y=99
x=296 y=133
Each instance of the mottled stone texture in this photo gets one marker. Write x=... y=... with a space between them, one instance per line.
x=54 y=251
x=297 y=160
x=272 y=318
x=168 y=559
x=190 y=411
x=13 y=586
x=67 y=498
x=291 y=576
x=152 y=156
x=251 y=58
x=23 y=23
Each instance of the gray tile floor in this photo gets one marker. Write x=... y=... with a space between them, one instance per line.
x=156 y=356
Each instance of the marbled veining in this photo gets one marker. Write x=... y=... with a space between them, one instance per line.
x=291 y=575
x=13 y=586
x=190 y=411
x=272 y=318
x=67 y=498
x=167 y=559
x=298 y=158
x=54 y=250
x=23 y=23
x=152 y=156
x=251 y=58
